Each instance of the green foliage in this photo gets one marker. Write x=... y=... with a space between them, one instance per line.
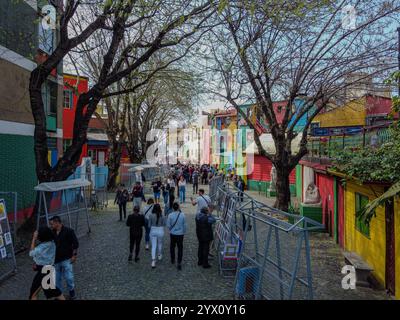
x=369 y=163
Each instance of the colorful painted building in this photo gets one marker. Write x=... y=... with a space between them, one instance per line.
x=377 y=243
x=73 y=86
x=360 y=122
x=23 y=45
x=223 y=139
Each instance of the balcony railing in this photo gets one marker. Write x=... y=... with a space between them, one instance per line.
x=321 y=149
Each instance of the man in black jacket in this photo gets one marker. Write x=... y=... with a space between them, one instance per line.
x=204 y=232
x=66 y=252
x=135 y=222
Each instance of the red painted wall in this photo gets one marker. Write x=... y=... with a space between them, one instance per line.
x=69 y=114
x=262 y=170
x=378 y=105
x=326 y=188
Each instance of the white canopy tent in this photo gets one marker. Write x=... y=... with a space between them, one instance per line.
x=268 y=144
x=142 y=167
x=65 y=199
x=62 y=185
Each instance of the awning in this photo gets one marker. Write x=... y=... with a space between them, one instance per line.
x=62 y=185
x=268 y=144
x=142 y=167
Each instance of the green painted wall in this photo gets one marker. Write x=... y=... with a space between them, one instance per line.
x=262 y=186
x=17 y=163
x=299 y=181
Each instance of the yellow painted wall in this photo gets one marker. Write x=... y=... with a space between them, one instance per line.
x=372 y=249
x=351 y=114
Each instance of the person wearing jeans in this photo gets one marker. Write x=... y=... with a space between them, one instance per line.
x=182 y=189
x=156 y=223
x=66 y=252
x=176 y=223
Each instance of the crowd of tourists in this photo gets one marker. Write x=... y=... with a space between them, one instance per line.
x=162 y=212
x=57 y=245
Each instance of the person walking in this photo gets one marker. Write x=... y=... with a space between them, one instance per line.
x=168 y=208
x=66 y=253
x=43 y=254
x=137 y=195
x=135 y=222
x=156 y=223
x=182 y=189
x=204 y=232
x=176 y=224
x=165 y=193
x=157 y=190
x=147 y=211
x=195 y=181
x=241 y=186
x=202 y=201
x=204 y=176
x=121 y=198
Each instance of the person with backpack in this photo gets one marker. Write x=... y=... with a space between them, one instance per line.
x=176 y=224
x=137 y=194
x=135 y=222
x=121 y=198
x=204 y=232
x=147 y=211
x=156 y=223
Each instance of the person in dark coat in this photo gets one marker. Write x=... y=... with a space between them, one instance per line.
x=135 y=222
x=121 y=198
x=204 y=232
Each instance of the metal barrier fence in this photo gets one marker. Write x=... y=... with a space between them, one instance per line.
x=11 y=200
x=8 y=263
x=266 y=250
x=98 y=195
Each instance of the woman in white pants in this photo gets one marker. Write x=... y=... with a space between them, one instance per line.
x=156 y=223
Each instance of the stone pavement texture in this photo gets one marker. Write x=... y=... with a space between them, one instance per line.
x=103 y=272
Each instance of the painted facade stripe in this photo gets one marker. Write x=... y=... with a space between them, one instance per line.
x=16 y=128
x=15 y=58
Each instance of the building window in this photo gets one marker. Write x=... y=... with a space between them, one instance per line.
x=49 y=96
x=68 y=99
x=361 y=202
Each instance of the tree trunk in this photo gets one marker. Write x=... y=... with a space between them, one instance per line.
x=114 y=163
x=283 y=170
x=282 y=188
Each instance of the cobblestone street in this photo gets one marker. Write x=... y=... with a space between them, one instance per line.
x=103 y=272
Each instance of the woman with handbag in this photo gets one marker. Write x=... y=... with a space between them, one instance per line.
x=176 y=224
